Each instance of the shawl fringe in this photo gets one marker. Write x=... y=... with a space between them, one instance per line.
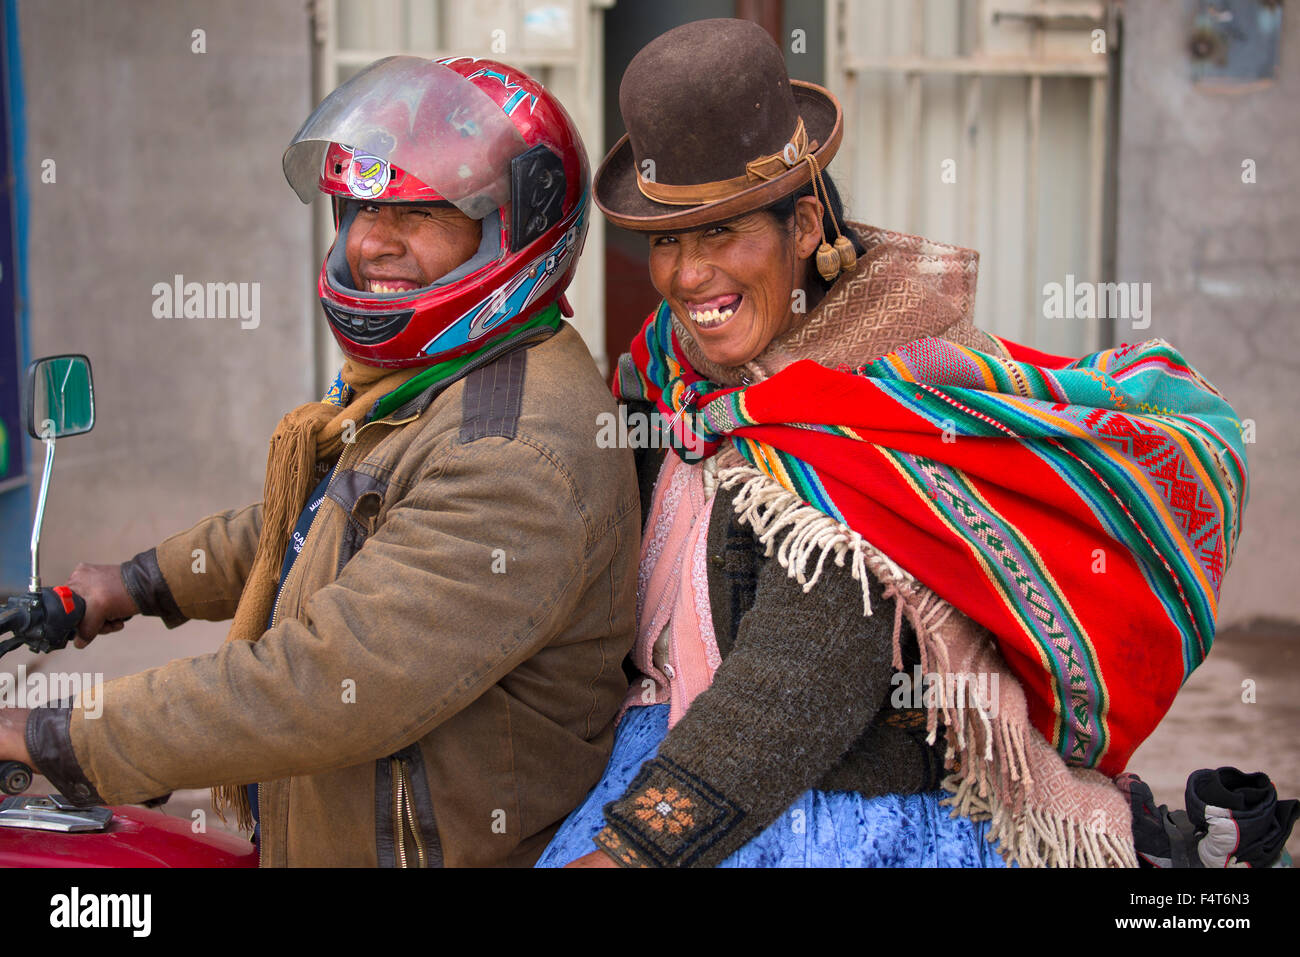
x=988 y=756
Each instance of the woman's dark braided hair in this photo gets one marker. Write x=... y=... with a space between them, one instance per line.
x=783 y=211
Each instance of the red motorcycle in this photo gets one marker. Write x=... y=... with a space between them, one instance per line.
x=47 y=830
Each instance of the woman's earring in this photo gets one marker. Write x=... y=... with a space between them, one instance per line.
x=848 y=257
x=842 y=257
x=828 y=261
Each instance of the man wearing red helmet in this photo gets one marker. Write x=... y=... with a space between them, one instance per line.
x=432 y=602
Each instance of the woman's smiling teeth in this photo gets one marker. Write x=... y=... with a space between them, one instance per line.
x=715 y=311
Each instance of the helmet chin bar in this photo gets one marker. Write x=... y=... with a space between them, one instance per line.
x=367 y=329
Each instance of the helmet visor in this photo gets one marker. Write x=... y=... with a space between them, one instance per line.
x=421 y=117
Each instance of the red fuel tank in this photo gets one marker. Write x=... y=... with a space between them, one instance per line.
x=35 y=832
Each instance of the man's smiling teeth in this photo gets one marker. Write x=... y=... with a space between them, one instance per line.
x=390 y=286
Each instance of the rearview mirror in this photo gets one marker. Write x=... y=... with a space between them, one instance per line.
x=60 y=401
x=60 y=397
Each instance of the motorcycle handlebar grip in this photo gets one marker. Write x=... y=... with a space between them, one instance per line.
x=73 y=604
x=63 y=611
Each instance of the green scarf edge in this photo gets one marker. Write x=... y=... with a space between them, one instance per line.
x=549 y=317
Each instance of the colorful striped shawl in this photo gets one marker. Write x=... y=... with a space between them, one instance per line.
x=1084 y=511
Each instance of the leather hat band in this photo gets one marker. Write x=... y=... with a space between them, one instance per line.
x=763 y=168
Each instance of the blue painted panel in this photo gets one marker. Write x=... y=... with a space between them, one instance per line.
x=15 y=503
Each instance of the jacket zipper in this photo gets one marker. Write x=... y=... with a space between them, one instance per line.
x=399 y=810
x=404 y=815
x=275 y=610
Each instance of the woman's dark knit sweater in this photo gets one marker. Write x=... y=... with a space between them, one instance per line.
x=801 y=700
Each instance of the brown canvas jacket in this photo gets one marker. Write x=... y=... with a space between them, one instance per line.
x=443 y=670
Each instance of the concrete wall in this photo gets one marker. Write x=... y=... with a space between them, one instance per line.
x=166 y=162
x=1223 y=260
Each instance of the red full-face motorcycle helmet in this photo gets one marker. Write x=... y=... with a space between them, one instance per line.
x=478 y=134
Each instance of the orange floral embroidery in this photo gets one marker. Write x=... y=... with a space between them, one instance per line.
x=664 y=809
x=613 y=843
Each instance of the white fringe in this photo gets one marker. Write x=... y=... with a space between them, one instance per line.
x=991 y=789
x=770 y=508
x=1031 y=838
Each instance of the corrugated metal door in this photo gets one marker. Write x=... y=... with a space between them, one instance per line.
x=984 y=124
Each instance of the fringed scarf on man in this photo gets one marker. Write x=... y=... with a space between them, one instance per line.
x=305 y=445
x=308 y=435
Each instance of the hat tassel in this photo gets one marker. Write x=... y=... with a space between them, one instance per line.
x=842 y=256
x=848 y=257
x=828 y=261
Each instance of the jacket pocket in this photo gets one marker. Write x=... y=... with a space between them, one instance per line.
x=406 y=832
x=361 y=496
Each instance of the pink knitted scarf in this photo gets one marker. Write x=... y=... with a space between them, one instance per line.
x=672 y=594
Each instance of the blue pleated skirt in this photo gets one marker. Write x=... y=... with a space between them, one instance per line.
x=821 y=828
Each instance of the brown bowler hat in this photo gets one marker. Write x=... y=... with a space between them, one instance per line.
x=725 y=130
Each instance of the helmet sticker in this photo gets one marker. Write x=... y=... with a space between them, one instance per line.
x=458 y=120
x=367 y=176
x=511 y=299
x=519 y=95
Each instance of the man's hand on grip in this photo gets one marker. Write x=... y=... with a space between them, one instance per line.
x=108 y=603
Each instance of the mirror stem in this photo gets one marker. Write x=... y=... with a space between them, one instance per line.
x=35 y=585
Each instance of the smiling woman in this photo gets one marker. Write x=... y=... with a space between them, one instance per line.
x=770 y=252
x=404 y=246
x=828 y=397
x=734 y=283
x=758 y=697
